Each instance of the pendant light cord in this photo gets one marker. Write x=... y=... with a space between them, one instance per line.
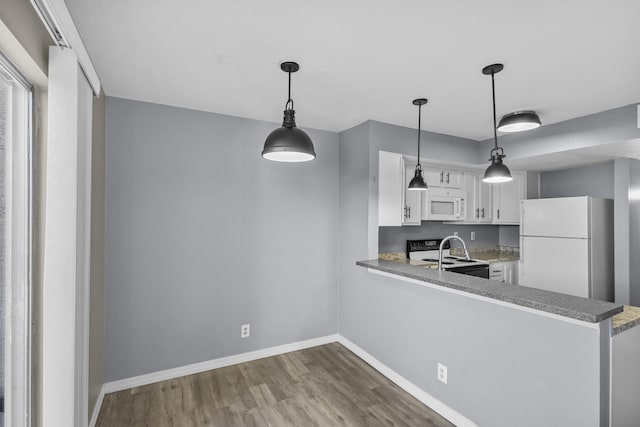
x=289 y=100
x=419 y=128
x=499 y=151
x=495 y=125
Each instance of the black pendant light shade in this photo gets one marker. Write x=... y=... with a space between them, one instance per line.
x=496 y=172
x=417 y=182
x=519 y=121
x=288 y=143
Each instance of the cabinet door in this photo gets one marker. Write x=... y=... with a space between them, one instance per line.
x=497 y=271
x=390 y=191
x=452 y=179
x=511 y=272
x=507 y=200
x=485 y=200
x=433 y=177
x=412 y=198
x=471 y=190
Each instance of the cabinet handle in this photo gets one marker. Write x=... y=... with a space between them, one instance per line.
x=441 y=177
x=405 y=212
x=447 y=177
x=482 y=212
x=408 y=211
x=477 y=212
x=498 y=213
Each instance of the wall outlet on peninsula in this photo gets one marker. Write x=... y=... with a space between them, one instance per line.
x=245 y=331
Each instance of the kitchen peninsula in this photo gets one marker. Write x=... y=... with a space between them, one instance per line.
x=538 y=355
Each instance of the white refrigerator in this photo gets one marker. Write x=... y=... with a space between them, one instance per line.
x=566 y=246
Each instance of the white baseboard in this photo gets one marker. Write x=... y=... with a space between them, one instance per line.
x=195 y=368
x=447 y=412
x=96 y=408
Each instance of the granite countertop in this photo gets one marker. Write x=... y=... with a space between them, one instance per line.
x=629 y=318
x=588 y=310
x=401 y=258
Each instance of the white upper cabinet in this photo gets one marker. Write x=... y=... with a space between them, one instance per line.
x=397 y=205
x=479 y=198
x=484 y=203
x=442 y=177
x=506 y=199
x=390 y=180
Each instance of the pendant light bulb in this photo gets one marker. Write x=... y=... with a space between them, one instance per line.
x=497 y=171
x=417 y=182
x=289 y=143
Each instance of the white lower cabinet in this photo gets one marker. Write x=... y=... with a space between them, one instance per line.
x=496 y=271
x=506 y=272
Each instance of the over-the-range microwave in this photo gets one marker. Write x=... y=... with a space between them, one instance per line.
x=441 y=204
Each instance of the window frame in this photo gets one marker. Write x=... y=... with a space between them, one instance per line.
x=19 y=248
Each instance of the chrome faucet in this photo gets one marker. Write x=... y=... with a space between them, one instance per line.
x=464 y=246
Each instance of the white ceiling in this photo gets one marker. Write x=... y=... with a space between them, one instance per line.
x=367 y=59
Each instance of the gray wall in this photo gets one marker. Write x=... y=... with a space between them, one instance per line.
x=506 y=367
x=621 y=225
x=203 y=235
x=595 y=180
x=509 y=235
x=634 y=232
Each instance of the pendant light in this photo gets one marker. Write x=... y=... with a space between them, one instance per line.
x=417 y=182
x=289 y=143
x=519 y=121
x=496 y=172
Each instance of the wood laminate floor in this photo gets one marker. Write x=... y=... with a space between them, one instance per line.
x=321 y=386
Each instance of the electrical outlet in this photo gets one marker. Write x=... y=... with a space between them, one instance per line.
x=473 y=235
x=442 y=373
x=245 y=331
x=455 y=233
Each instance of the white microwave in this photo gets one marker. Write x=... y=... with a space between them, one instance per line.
x=440 y=204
